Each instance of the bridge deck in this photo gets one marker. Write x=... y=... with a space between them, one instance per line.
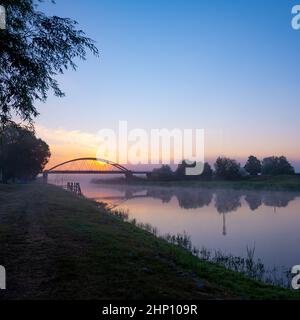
x=96 y=172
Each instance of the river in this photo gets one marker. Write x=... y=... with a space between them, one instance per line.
x=221 y=219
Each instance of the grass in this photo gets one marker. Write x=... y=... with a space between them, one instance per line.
x=271 y=183
x=248 y=266
x=55 y=245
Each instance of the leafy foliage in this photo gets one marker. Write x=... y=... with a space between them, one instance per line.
x=181 y=172
x=163 y=173
x=34 y=49
x=253 y=166
x=227 y=169
x=277 y=166
x=22 y=155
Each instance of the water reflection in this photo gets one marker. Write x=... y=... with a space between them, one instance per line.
x=226 y=201
x=254 y=200
x=221 y=219
x=278 y=199
x=193 y=200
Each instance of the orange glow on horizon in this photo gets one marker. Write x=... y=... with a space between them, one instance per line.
x=66 y=145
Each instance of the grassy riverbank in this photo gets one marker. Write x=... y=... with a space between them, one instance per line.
x=57 y=246
x=268 y=183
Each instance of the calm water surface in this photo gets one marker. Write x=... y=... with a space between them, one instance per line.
x=222 y=219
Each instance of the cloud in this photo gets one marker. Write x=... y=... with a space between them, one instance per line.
x=66 y=145
x=64 y=137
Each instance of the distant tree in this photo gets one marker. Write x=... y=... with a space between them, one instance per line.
x=243 y=173
x=253 y=166
x=180 y=172
x=227 y=169
x=22 y=155
x=181 y=168
x=163 y=173
x=34 y=49
x=277 y=166
x=207 y=173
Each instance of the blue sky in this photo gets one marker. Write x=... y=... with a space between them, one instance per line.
x=230 y=67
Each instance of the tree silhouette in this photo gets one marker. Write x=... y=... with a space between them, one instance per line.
x=253 y=166
x=227 y=169
x=22 y=155
x=163 y=173
x=34 y=49
x=277 y=166
x=207 y=172
x=180 y=172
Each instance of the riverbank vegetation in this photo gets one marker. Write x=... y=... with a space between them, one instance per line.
x=248 y=265
x=226 y=169
x=272 y=173
x=55 y=245
x=267 y=183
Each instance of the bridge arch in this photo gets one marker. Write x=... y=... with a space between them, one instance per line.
x=117 y=168
x=111 y=163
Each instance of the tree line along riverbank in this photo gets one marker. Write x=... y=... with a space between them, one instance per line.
x=267 y=183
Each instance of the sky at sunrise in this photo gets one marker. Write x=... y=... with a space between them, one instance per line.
x=228 y=67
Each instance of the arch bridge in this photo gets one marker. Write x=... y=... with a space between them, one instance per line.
x=91 y=166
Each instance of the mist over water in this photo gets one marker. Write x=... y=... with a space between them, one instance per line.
x=224 y=219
